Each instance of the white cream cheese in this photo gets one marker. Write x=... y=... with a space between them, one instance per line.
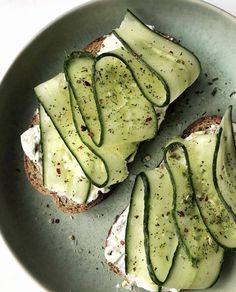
x=94 y=192
x=109 y=44
x=115 y=246
x=30 y=141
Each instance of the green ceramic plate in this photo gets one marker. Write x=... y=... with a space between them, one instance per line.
x=46 y=250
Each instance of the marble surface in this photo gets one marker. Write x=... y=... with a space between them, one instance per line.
x=19 y=22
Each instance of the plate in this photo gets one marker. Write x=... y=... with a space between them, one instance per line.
x=46 y=250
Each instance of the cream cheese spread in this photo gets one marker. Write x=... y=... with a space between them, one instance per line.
x=30 y=141
x=109 y=44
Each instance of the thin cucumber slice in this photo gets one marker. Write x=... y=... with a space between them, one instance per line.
x=182 y=273
x=217 y=218
x=61 y=171
x=55 y=99
x=177 y=66
x=161 y=240
x=135 y=258
x=153 y=86
x=224 y=164
x=112 y=155
x=78 y=71
x=127 y=116
x=204 y=252
x=192 y=231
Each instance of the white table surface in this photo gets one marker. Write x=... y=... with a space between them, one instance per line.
x=15 y=32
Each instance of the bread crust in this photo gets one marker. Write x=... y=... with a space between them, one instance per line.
x=202 y=124
x=34 y=175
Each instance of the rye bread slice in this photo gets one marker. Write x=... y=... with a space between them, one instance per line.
x=33 y=172
x=201 y=124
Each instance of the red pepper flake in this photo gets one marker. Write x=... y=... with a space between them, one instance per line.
x=168 y=213
x=180 y=213
x=91 y=134
x=206 y=198
x=81 y=147
x=122 y=242
x=101 y=100
x=171 y=52
x=136 y=217
x=148 y=119
x=186 y=230
x=58 y=171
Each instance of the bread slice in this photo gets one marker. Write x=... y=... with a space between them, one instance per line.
x=201 y=124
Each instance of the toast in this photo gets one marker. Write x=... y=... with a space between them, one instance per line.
x=202 y=124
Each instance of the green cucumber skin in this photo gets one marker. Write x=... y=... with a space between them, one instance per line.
x=214 y=165
x=77 y=54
